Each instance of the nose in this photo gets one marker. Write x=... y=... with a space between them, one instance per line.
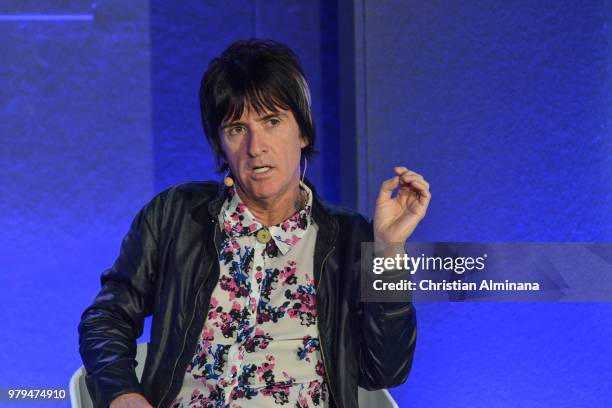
x=256 y=142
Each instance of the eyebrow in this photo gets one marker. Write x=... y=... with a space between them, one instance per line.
x=261 y=119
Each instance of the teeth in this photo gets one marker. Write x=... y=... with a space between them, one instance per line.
x=261 y=169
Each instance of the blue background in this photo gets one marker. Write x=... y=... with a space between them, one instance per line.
x=504 y=107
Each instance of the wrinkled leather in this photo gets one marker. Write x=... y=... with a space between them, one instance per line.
x=168 y=268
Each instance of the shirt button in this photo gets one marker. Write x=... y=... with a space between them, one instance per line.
x=263 y=236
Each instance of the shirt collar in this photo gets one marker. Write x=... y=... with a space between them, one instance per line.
x=238 y=221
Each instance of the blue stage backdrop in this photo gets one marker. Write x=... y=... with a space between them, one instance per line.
x=504 y=108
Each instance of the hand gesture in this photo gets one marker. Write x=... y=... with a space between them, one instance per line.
x=395 y=218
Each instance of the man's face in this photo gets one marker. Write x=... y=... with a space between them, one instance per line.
x=263 y=152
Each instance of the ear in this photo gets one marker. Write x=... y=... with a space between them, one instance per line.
x=303 y=142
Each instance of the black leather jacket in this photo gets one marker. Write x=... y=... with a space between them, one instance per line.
x=168 y=267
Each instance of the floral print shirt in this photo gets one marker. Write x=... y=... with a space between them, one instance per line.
x=259 y=346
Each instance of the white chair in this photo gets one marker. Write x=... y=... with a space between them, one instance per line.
x=79 y=396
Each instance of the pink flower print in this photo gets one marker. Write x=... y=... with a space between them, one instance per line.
x=309 y=344
x=196 y=397
x=265 y=370
x=228 y=326
x=212 y=309
x=230 y=380
x=260 y=341
x=208 y=334
x=280 y=392
x=214 y=302
x=230 y=285
x=304 y=307
x=303 y=403
x=320 y=368
x=241 y=392
x=287 y=275
x=288 y=377
x=227 y=226
x=317 y=391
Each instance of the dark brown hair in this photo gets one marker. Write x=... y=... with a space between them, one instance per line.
x=263 y=74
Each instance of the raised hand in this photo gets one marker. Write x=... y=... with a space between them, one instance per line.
x=395 y=218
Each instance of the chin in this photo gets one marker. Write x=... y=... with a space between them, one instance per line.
x=263 y=190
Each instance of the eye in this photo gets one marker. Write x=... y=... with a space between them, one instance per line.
x=234 y=130
x=274 y=121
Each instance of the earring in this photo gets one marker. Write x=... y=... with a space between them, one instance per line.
x=227 y=180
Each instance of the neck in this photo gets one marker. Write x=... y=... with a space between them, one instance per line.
x=274 y=210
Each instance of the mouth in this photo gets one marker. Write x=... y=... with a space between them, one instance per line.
x=261 y=169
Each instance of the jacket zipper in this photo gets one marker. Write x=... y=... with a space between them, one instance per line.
x=192 y=317
x=402 y=310
x=327 y=373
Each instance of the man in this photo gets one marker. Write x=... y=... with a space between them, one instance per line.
x=253 y=284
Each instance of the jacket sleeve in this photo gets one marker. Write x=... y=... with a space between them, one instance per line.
x=388 y=338
x=110 y=326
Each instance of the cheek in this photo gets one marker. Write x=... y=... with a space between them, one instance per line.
x=292 y=152
x=293 y=158
x=230 y=152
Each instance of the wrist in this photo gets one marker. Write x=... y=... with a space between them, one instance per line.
x=389 y=249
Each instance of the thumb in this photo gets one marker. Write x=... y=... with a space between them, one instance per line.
x=386 y=189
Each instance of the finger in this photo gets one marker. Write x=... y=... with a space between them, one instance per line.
x=401 y=170
x=410 y=173
x=422 y=187
x=387 y=187
x=408 y=178
x=423 y=194
x=419 y=186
